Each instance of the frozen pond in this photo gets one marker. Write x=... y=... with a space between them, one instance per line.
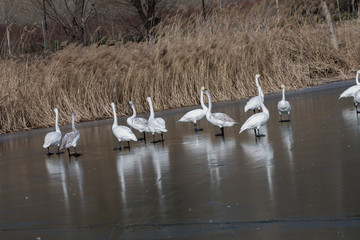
x=300 y=181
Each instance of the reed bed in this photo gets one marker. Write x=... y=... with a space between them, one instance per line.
x=222 y=52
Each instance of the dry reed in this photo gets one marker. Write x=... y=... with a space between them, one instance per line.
x=222 y=52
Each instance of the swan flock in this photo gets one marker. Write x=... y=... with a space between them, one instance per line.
x=157 y=125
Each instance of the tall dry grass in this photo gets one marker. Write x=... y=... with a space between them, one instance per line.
x=222 y=52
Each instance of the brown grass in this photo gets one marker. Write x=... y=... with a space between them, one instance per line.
x=223 y=52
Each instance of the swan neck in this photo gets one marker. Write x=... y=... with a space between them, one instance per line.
x=134 y=111
x=57 y=129
x=208 y=113
x=263 y=107
x=283 y=93
x=151 y=109
x=115 y=117
x=73 y=122
x=257 y=81
x=357 y=78
x=202 y=101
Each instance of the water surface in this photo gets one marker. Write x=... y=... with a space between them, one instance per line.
x=301 y=180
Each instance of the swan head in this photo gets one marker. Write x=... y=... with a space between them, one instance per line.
x=73 y=114
x=131 y=102
x=148 y=99
x=203 y=88
x=257 y=76
x=282 y=86
x=56 y=110
x=112 y=104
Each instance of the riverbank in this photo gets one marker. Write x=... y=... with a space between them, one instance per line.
x=327 y=85
x=222 y=53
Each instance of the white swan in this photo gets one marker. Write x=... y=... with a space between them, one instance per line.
x=254 y=102
x=122 y=133
x=156 y=125
x=53 y=138
x=257 y=120
x=218 y=119
x=350 y=92
x=71 y=138
x=283 y=105
x=138 y=123
x=196 y=114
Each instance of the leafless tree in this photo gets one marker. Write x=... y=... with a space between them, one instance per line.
x=330 y=24
x=149 y=11
x=8 y=11
x=72 y=15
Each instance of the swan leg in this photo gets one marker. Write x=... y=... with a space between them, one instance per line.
x=281 y=120
x=119 y=148
x=128 y=146
x=75 y=153
x=258 y=134
x=222 y=132
x=48 y=152
x=69 y=152
x=196 y=129
x=143 y=137
x=58 y=151
x=162 y=137
x=254 y=111
x=153 y=141
x=356 y=107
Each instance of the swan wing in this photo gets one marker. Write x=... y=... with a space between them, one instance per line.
x=140 y=124
x=350 y=92
x=193 y=115
x=223 y=117
x=253 y=103
x=52 y=139
x=157 y=125
x=123 y=133
x=70 y=139
x=284 y=106
x=254 y=121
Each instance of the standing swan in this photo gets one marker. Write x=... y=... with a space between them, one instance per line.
x=257 y=120
x=122 y=133
x=138 y=123
x=156 y=125
x=350 y=92
x=218 y=119
x=254 y=102
x=284 y=106
x=196 y=114
x=53 y=138
x=71 y=138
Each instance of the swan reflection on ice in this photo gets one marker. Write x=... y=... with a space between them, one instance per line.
x=262 y=154
x=56 y=170
x=129 y=167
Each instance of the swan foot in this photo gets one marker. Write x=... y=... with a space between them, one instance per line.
x=128 y=146
x=198 y=129
x=260 y=135
x=76 y=154
x=220 y=134
x=49 y=153
x=117 y=149
x=161 y=140
x=287 y=120
x=58 y=153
